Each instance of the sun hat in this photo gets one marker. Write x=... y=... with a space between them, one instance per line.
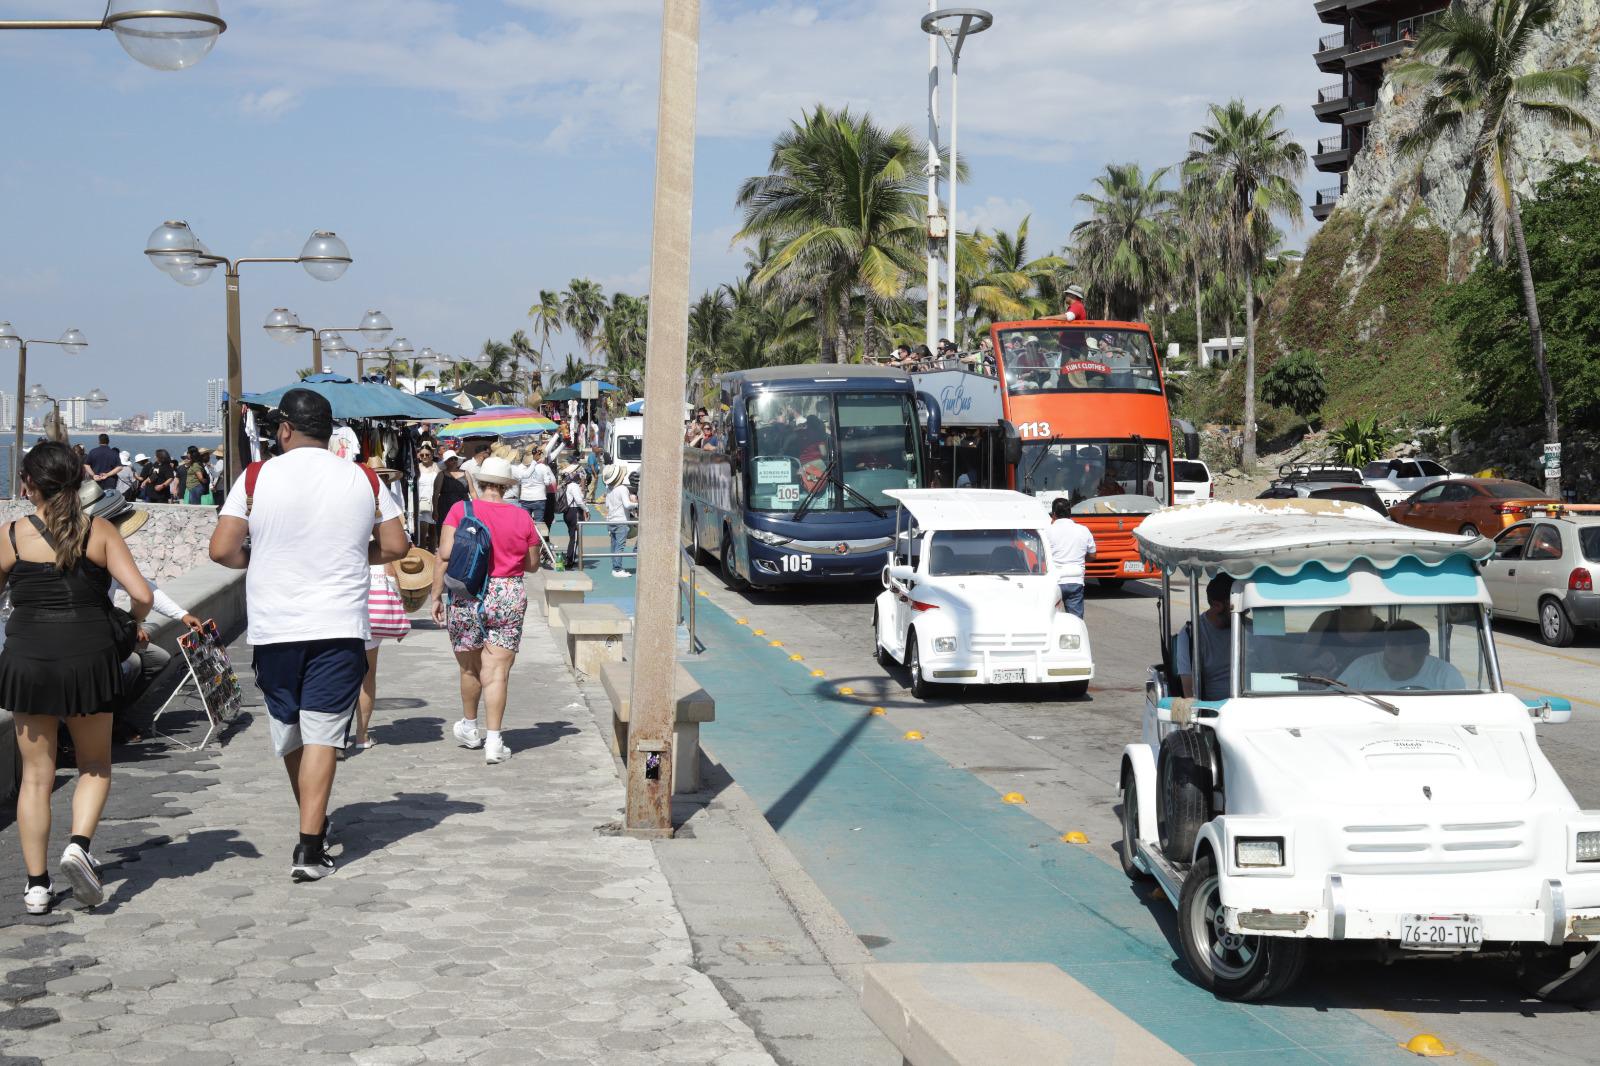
x=110 y=505
x=123 y=458
x=415 y=579
x=1074 y=290
x=614 y=474
x=141 y=458
x=495 y=471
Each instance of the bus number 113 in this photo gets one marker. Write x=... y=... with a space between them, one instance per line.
x=1033 y=430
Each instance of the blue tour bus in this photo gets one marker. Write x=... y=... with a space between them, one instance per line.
x=794 y=491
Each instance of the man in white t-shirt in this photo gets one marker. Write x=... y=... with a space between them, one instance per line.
x=306 y=527
x=1404 y=664
x=1070 y=545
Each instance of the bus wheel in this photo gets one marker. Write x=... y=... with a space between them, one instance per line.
x=730 y=570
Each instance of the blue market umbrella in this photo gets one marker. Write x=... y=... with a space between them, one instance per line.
x=356 y=399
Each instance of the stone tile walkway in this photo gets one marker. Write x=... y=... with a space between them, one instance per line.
x=477 y=914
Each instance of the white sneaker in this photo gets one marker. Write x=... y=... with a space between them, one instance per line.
x=621 y=573
x=37 y=900
x=495 y=751
x=467 y=732
x=79 y=867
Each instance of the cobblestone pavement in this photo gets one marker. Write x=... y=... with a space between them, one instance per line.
x=477 y=915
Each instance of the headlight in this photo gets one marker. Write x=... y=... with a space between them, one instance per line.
x=769 y=538
x=1258 y=851
x=1071 y=642
x=944 y=645
x=1589 y=846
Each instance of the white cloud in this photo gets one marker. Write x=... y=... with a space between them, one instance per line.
x=995 y=213
x=270 y=103
x=635 y=282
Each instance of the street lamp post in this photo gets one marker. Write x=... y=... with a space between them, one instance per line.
x=177 y=252
x=284 y=325
x=954 y=25
x=163 y=38
x=72 y=341
x=37 y=396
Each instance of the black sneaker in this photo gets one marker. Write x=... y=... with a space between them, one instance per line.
x=307 y=867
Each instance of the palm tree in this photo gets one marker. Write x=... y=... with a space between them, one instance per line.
x=583 y=307
x=1252 y=167
x=547 y=319
x=1197 y=218
x=839 y=201
x=1124 y=249
x=622 y=338
x=985 y=286
x=522 y=348
x=1009 y=255
x=1478 y=85
x=574 y=371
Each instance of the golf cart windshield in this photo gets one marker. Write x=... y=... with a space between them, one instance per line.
x=1008 y=552
x=1386 y=649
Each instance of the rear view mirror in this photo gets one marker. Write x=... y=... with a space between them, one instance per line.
x=1011 y=443
x=1550 y=710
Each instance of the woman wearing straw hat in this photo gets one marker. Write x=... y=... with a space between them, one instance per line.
x=618 y=500
x=485 y=633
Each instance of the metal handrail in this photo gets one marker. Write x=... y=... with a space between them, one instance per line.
x=603 y=555
x=1333 y=40
x=1331 y=92
x=1330 y=144
x=687 y=615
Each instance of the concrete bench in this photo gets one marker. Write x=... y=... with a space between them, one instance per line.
x=560 y=589
x=594 y=634
x=692 y=706
x=1001 y=1014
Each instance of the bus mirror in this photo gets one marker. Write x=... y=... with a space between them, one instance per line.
x=1012 y=445
x=931 y=415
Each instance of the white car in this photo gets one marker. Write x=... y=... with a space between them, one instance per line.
x=1191 y=481
x=1395 y=479
x=969 y=598
x=1363 y=775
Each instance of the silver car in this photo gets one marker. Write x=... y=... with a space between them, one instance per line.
x=1543 y=571
x=1395 y=479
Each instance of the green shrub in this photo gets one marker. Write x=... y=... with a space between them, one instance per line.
x=1296 y=382
x=1359 y=441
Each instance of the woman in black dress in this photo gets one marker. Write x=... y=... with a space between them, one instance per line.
x=61 y=662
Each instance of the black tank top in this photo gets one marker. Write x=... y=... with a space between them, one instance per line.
x=38 y=587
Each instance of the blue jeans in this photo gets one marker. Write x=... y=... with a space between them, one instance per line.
x=195 y=493
x=1072 y=597
x=619 y=541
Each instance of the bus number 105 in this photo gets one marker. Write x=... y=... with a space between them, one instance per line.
x=796 y=564
x=1033 y=430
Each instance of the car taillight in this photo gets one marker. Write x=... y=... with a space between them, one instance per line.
x=918 y=605
x=1580 y=581
x=1510 y=508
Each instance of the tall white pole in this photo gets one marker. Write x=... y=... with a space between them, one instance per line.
x=933 y=182
x=950 y=265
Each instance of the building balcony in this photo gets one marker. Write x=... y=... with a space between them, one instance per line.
x=1332 y=101
x=1375 y=53
x=1331 y=51
x=1332 y=11
x=1332 y=155
x=1326 y=201
x=1360 y=115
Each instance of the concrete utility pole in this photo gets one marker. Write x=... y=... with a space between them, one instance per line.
x=655 y=639
x=933 y=185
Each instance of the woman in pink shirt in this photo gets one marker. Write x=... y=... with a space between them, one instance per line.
x=485 y=634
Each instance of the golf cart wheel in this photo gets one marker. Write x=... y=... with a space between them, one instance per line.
x=1130 y=828
x=1555 y=628
x=1568 y=974
x=1183 y=799
x=879 y=652
x=921 y=687
x=1232 y=965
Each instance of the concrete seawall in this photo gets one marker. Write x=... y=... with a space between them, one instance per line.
x=174 y=541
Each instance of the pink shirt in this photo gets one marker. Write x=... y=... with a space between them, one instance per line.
x=510 y=529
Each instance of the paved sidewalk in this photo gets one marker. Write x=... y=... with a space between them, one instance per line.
x=477 y=914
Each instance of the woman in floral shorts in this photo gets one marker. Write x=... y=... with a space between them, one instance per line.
x=486 y=633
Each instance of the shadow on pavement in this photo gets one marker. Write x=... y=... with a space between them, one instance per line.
x=408 y=730
x=158 y=858
x=363 y=828
x=787 y=804
x=539 y=735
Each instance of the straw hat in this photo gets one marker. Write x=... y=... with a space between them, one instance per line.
x=416 y=577
x=615 y=474
x=110 y=505
x=495 y=471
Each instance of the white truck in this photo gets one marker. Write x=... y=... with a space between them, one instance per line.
x=1355 y=770
x=625 y=441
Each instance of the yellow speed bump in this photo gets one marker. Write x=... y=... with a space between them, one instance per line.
x=912 y=734
x=796 y=658
x=759 y=632
x=1013 y=797
x=846 y=690
x=774 y=643
x=818 y=673
x=742 y=621
x=1074 y=837
x=879 y=711
x=1428 y=1046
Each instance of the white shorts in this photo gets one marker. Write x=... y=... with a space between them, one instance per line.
x=325 y=728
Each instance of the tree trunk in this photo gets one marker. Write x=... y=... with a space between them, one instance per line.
x=1249 y=457
x=868 y=327
x=1199 y=324
x=826 y=352
x=1530 y=300
x=844 y=326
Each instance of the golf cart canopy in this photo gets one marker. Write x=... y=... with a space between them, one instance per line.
x=971 y=508
x=1287 y=536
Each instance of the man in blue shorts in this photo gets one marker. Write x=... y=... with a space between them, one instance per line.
x=306 y=526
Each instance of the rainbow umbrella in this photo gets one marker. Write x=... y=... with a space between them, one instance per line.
x=499 y=422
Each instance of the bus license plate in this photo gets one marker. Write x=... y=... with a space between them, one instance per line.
x=1441 y=932
x=1133 y=566
x=1008 y=677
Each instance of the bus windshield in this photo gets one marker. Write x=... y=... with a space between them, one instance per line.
x=1044 y=359
x=1084 y=471
x=841 y=451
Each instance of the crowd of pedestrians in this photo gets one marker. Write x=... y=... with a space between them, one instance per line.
x=153 y=479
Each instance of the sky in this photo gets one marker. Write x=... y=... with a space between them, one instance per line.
x=473 y=152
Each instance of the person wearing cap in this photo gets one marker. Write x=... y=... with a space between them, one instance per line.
x=1076 y=312
x=306 y=526
x=947 y=348
x=486 y=632
x=61 y=666
x=618 y=501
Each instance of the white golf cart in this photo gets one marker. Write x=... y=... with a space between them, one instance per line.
x=969 y=598
x=1364 y=776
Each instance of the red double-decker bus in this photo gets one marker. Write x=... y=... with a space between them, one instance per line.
x=1089 y=404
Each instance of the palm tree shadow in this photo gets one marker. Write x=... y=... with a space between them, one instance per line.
x=363 y=828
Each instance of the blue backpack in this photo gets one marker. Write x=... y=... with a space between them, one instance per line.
x=471 y=554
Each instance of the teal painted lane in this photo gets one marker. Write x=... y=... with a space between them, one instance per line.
x=926 y=863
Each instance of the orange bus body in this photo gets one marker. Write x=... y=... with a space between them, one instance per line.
x=1093 y=416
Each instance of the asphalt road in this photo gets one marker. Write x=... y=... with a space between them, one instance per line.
x=1064 y=758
